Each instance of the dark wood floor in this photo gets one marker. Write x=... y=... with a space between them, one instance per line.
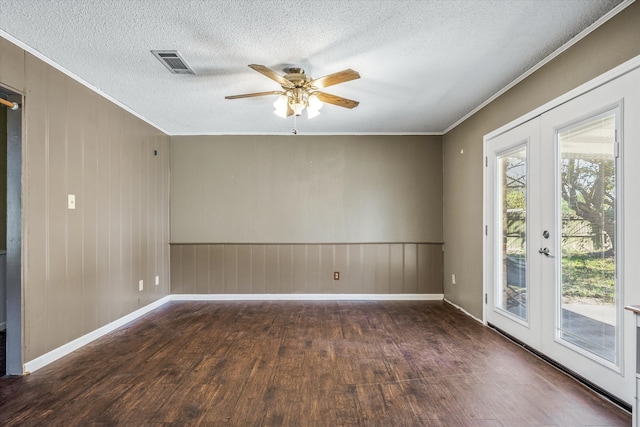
x=303 y=364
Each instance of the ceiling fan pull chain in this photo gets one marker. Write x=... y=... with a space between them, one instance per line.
x=295 y=125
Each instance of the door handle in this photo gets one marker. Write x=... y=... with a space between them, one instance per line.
x=544 y=251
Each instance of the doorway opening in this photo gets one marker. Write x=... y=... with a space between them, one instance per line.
x=10 y=235
x=554 y=258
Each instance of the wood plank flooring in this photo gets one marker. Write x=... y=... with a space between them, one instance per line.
x=392 y=363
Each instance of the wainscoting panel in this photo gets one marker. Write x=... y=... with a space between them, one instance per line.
x=367 y=268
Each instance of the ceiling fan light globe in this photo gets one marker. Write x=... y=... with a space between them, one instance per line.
x=281 y=103
x=281 y=112
x=315 y=103
x=297 y=108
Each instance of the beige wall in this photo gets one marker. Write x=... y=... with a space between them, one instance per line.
x=375 y=268
x=81 y=267
x=613 y=43
x=306 y=189
x=369 y=207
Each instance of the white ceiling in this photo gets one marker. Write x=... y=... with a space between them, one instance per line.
x=424 y=64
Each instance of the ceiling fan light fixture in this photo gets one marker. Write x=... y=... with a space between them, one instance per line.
x=281 y=103
x=280 y=113
x=298 y=100
x=298 y=108
x=315 y=103
x=313 y=106
x=311 y=113
x=280 y=106
x=300 y=92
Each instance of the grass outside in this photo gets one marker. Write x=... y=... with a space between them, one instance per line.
x=588 y=277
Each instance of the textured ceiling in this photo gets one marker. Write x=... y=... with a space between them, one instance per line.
x=424 y=64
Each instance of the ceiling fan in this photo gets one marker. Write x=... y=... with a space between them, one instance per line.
x=300 y=91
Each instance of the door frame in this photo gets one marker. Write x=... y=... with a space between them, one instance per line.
x=14 y=294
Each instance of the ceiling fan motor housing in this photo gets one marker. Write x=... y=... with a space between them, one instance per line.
x=296 y=76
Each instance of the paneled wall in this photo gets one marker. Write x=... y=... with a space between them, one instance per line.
x=281 y=214
x=81 y=267
x=374 y=268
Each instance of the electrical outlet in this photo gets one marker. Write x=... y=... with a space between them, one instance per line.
x=141 y=285
x=157 y=280
x=336 y=275
x=453 y=279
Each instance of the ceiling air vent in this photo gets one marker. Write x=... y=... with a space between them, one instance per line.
x=173 y=61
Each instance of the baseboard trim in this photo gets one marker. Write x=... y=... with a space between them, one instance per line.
x=463 y=310
x=306 y=297
x=55 y=354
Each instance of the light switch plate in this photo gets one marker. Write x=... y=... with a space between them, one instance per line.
x=71 y=201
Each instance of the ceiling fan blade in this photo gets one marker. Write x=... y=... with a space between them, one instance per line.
x=250 y=95
x=336 y=100
x=335 y=78
x=272 y=75
x=289 y=110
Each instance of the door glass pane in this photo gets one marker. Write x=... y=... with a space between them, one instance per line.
x=588 y=244
x=512 y=196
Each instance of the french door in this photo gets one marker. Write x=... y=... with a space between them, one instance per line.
x=554 y=234
x=514 y=268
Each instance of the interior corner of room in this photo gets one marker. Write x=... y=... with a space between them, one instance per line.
x=157 y=217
